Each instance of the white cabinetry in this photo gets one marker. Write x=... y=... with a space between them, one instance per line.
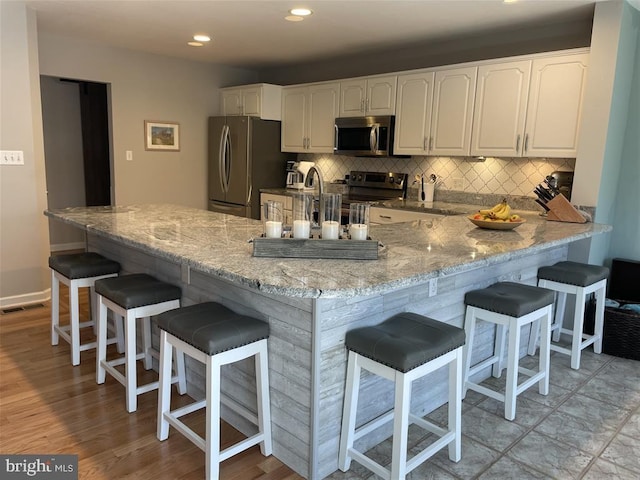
x=554 y=109
x=434 y=112
x=260 y=100
x=384 y=216
x=530 y=108
x=368 y=96
x=308 y=117
x=287 y=204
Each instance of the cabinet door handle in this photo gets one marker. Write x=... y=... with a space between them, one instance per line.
x=430 y=143
x=366 y=105
x=526 y=142
x=388 y=217
x=362 y=105
x=424 y=143
x=518 y=143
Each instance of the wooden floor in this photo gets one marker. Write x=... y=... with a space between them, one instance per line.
x=47 y=406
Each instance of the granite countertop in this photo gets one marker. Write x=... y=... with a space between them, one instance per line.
x=410 y=253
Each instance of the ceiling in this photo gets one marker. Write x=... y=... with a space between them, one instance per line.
x=247 y=33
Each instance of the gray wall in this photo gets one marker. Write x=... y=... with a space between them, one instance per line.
x=486 y=45
x=63 y=154
x=23 y=229
x=149 y=87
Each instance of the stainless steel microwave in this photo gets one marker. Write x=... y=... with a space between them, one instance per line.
x=364 y=136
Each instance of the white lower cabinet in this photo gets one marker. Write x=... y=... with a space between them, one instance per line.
x=382 y=216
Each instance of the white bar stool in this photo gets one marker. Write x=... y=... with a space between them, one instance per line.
x=510 y=306
x=214 y=335
x=77 y=271
x=402 y=349
x=579 y=279
x=132 y=297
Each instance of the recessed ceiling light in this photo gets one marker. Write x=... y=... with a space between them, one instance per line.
x=195 y=44
x=202 y=38
x=294 y=18
x=301 y=12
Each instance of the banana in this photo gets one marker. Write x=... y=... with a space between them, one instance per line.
x=500 y=211
x=504 y=214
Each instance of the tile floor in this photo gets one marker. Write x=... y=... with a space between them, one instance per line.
x=587 y=427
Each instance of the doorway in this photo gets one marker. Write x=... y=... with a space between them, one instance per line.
x=77 y=149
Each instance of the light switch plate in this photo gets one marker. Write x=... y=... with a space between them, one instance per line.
x=11 y=157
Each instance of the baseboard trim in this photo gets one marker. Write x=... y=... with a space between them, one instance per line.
x=25 y=299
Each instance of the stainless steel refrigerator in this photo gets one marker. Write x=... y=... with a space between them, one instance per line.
x=244 y=156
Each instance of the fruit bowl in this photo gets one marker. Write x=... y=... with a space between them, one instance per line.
x=496 y=224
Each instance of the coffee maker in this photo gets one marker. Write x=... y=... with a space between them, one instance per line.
x=297 y=174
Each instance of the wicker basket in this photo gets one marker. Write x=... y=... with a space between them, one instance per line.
x=621 y=336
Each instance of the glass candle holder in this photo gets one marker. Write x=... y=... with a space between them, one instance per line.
x=272 y=217
x=302 y=215
x=331 y=204
x=359 y=221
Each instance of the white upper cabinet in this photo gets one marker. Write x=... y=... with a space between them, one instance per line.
x=260 y=100
x=453 y=100
x=554 y=109
x=434 y=112
x=413 y=113
x=530 y=108
x=500 y=109
x=368 y=96
x=308 y=117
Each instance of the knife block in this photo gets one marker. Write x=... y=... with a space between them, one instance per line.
x=560 y=210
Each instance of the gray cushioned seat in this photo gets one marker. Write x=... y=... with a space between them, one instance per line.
x=137 y=290
x=573 y=273
x=509 y=298
x=405 y=341
x=83 y=265
x=212 y=328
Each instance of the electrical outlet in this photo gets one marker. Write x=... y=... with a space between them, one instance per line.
x=11 y=157
x=457 y=183
x=433 y=286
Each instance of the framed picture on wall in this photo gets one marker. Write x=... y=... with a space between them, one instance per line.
x=162 y=136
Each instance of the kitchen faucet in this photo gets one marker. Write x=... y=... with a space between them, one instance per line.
x=308 y=182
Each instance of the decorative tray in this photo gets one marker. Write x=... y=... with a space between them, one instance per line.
x=344 y=248
x=497 y=224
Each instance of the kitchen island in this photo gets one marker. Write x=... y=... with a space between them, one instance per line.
x=423 y=267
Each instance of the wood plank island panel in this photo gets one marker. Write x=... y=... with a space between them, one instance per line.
x=310 y=304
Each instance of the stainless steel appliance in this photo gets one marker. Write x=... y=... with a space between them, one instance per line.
x=376 y=186
x=364 y=136
x=563 y=181
x=297 y=173
x=244 y=156
x=373 y=187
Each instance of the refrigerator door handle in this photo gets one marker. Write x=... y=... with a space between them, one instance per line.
x=221 y=157
x=229 y=158
x=249 y=196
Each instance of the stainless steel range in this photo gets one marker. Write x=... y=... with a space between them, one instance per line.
x=376 y=186
x=373 y=187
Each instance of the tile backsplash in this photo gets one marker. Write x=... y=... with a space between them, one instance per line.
x=509 y=176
